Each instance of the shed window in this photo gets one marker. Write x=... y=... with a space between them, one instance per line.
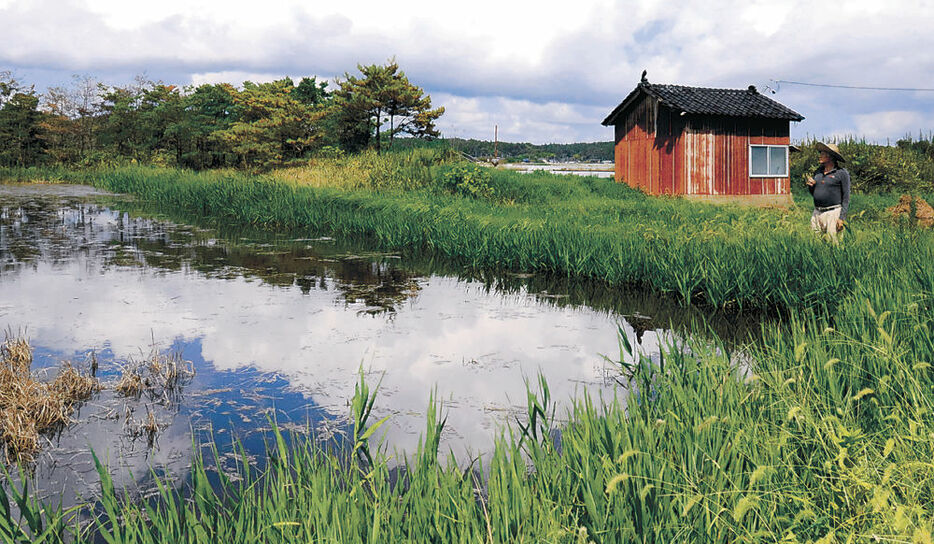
x=768 y=161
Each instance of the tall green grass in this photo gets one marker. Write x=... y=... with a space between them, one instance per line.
x=822 y=433
x=724 y=257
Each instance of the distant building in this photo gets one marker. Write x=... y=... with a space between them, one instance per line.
x=713 y=144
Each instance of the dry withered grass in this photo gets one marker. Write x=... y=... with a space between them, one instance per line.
x=73 y=386
x=29 y=407
x=148 y=427
x=924 y=212
x=16 y=353
x=130 y=383
x=160 y=377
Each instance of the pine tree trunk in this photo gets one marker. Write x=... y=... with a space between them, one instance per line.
x=378 y=116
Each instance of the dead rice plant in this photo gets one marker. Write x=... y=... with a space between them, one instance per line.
x=72 y=386
x=16 y=354
x=130 y=383
x=149 y=427
x=29 y=407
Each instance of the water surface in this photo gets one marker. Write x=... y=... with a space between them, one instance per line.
x=278 y=327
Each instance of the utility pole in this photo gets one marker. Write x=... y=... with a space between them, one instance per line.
x=495 y=142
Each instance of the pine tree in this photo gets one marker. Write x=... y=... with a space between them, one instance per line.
x=21 y=143
x=364 y=106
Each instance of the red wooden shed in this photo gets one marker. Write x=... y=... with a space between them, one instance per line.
x=712 y=144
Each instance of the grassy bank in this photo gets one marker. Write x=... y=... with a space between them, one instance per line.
x=826 y=436
x=723 y=257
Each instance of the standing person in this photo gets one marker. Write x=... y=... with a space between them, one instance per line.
x=830 y=186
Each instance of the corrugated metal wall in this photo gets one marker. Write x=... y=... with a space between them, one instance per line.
x=636 y=156
x=662 y=152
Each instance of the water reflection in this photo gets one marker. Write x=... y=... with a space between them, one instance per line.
x=281 y=327
x=577 y=169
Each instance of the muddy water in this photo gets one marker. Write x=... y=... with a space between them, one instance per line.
x=277 y=327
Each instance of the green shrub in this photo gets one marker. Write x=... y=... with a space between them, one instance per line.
x=469 y=180
x=874 y=168
x=330 y=152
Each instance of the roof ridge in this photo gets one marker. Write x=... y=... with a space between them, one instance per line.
x=709 y=100
x=746 y=90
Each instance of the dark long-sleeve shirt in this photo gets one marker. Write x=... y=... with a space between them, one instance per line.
x=832 y=189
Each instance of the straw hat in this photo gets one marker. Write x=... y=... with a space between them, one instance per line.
x=832 y=149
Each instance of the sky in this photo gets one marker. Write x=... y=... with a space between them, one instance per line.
x=544 y=72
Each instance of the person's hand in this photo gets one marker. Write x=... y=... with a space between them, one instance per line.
x=839 y=225
x=810 y=182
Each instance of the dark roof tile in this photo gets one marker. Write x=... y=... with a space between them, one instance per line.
x=703 y=100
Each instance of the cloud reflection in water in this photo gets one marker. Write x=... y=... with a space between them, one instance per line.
x=87 y=288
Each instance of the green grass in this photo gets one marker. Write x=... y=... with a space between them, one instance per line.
x=821 y=430
x=827 y=437
x=719 y=256
x=907 y=167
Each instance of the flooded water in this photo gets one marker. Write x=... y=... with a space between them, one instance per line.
x=572 y=168
x=278 y=328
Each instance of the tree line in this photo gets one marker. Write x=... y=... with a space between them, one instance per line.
x=254 y=126
x=584 y=152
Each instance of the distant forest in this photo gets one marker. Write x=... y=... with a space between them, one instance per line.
x=516 y=152
x=254 y=126
x=584 y=152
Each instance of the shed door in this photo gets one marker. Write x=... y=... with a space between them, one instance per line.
x=699 y=160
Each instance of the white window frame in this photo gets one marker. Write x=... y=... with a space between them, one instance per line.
x=768 y=161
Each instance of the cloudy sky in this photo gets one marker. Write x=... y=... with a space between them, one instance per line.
x=547 y=71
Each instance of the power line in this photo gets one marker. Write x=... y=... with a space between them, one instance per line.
x=909 y=89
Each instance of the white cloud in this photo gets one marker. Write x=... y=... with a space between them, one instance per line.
x=883 y=124
x=582 y=53
x=521 y=120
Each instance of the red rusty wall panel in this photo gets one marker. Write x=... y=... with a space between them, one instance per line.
x=722 y=177
x=641 y=172
x=634 y=153
x=739 y=169
x=677 y=151
x=756 y=136
x=699 y=157
x=662 y=152
x=755 y=186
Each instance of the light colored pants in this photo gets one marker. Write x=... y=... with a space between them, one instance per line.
x=826 y=222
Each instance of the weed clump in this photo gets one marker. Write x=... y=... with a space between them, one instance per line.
x=914 y=209
x=29 y=407
x=469 y=180
x=130 y=384
x=160 y=377
x=73 y=386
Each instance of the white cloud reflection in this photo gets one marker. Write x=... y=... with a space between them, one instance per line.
x=475 y=347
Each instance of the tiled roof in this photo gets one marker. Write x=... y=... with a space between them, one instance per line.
x=703 y=100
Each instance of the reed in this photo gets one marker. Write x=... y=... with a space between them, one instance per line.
x=28 y=407
x=718 y=256
x=824 y=433
x=160 y=377
x=821 y=430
